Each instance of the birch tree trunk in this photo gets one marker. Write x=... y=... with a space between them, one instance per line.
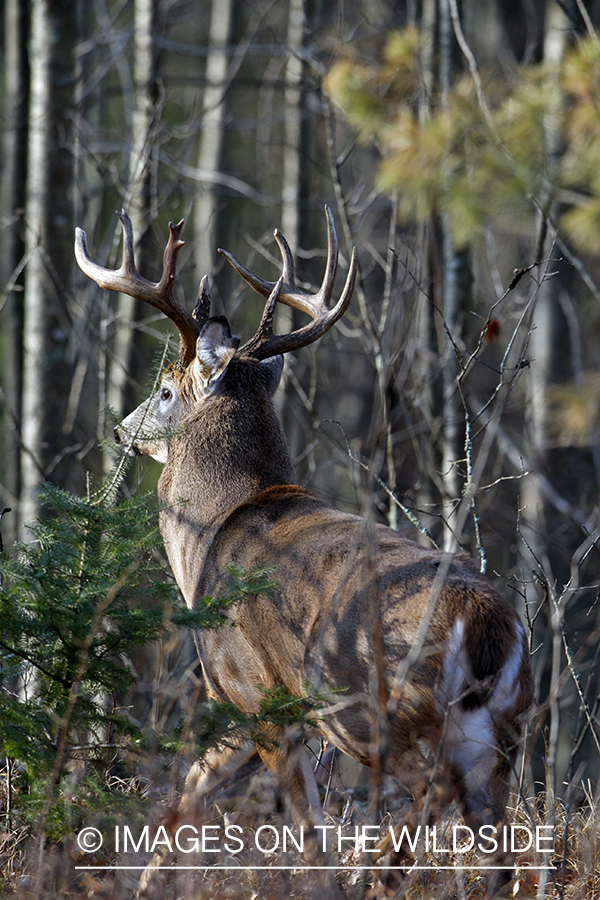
x=292 y=139
x=34 y=299
x=14 y=145
x=547 y=352
x=425 y=325
x=544 y=349
x=211 y=137
x=290 y=187
x=136 y=200
x=451 y=265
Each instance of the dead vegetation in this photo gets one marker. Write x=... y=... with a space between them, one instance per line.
x=251 y=810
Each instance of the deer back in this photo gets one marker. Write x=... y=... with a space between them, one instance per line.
x=344 y=585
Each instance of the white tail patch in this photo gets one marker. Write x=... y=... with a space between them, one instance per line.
x=505 y=690
x=470 y=742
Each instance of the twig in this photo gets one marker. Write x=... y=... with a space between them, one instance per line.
x=407 y=512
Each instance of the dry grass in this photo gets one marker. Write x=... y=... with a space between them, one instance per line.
x=251 y=802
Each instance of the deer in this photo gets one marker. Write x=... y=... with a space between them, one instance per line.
x=427 y=663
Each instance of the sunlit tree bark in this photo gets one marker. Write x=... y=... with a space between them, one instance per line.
x=136 y=199
x=425 y=326
x=547 y=344
x=292 y=140
x=35 y=302
x=454 y=266
x=291 y=178
x=14 y=145
x=212 y=134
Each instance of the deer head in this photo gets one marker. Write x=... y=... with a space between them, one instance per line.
x=206 y=345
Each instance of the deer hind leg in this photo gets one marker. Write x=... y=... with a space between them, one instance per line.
x=480 y=742
x=432 y=790
x=481 y=793
x=285 y=757
x=481 y=759
x=204 y=776
x=483 y=796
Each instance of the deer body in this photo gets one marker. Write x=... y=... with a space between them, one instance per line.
x=319 y=626
x=413 y=644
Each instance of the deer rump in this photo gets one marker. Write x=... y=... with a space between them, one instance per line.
x=464 y=689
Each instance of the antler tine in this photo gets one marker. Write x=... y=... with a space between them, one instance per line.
x=264 y=343
x=264 y=336
x=326 y=289
x=290 y=293
x=288 y=273
x=201 y=312
x=127 y=280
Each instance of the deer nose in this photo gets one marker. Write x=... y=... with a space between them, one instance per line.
x=124 y=438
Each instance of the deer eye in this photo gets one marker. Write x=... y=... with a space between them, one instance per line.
x=165 y=394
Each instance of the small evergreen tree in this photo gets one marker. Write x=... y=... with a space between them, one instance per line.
x=74 y=603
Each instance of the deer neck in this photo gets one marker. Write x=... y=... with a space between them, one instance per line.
x=226 y=452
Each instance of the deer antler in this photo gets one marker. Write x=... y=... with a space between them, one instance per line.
x=160 y=294
x=264 y=343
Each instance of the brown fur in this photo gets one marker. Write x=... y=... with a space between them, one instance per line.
x=421 y=645
x=230 y=466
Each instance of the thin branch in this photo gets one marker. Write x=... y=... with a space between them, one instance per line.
x=407 y=512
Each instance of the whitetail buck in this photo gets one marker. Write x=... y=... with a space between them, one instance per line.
x=422 y=648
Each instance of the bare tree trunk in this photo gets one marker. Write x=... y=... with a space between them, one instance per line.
x=136 y=200
x=547 y=352
x=451 y=263
x=34 y=306
x=425 y=325
x=14 y=145
x=290 y=186
x=543 y=346
x=292 y=138
x=86 y=199
x=211 y=136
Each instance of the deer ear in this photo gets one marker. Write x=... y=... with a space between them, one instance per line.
x=273 y=369
x=215 y=348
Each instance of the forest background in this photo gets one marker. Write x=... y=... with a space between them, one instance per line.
x=458 y=145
